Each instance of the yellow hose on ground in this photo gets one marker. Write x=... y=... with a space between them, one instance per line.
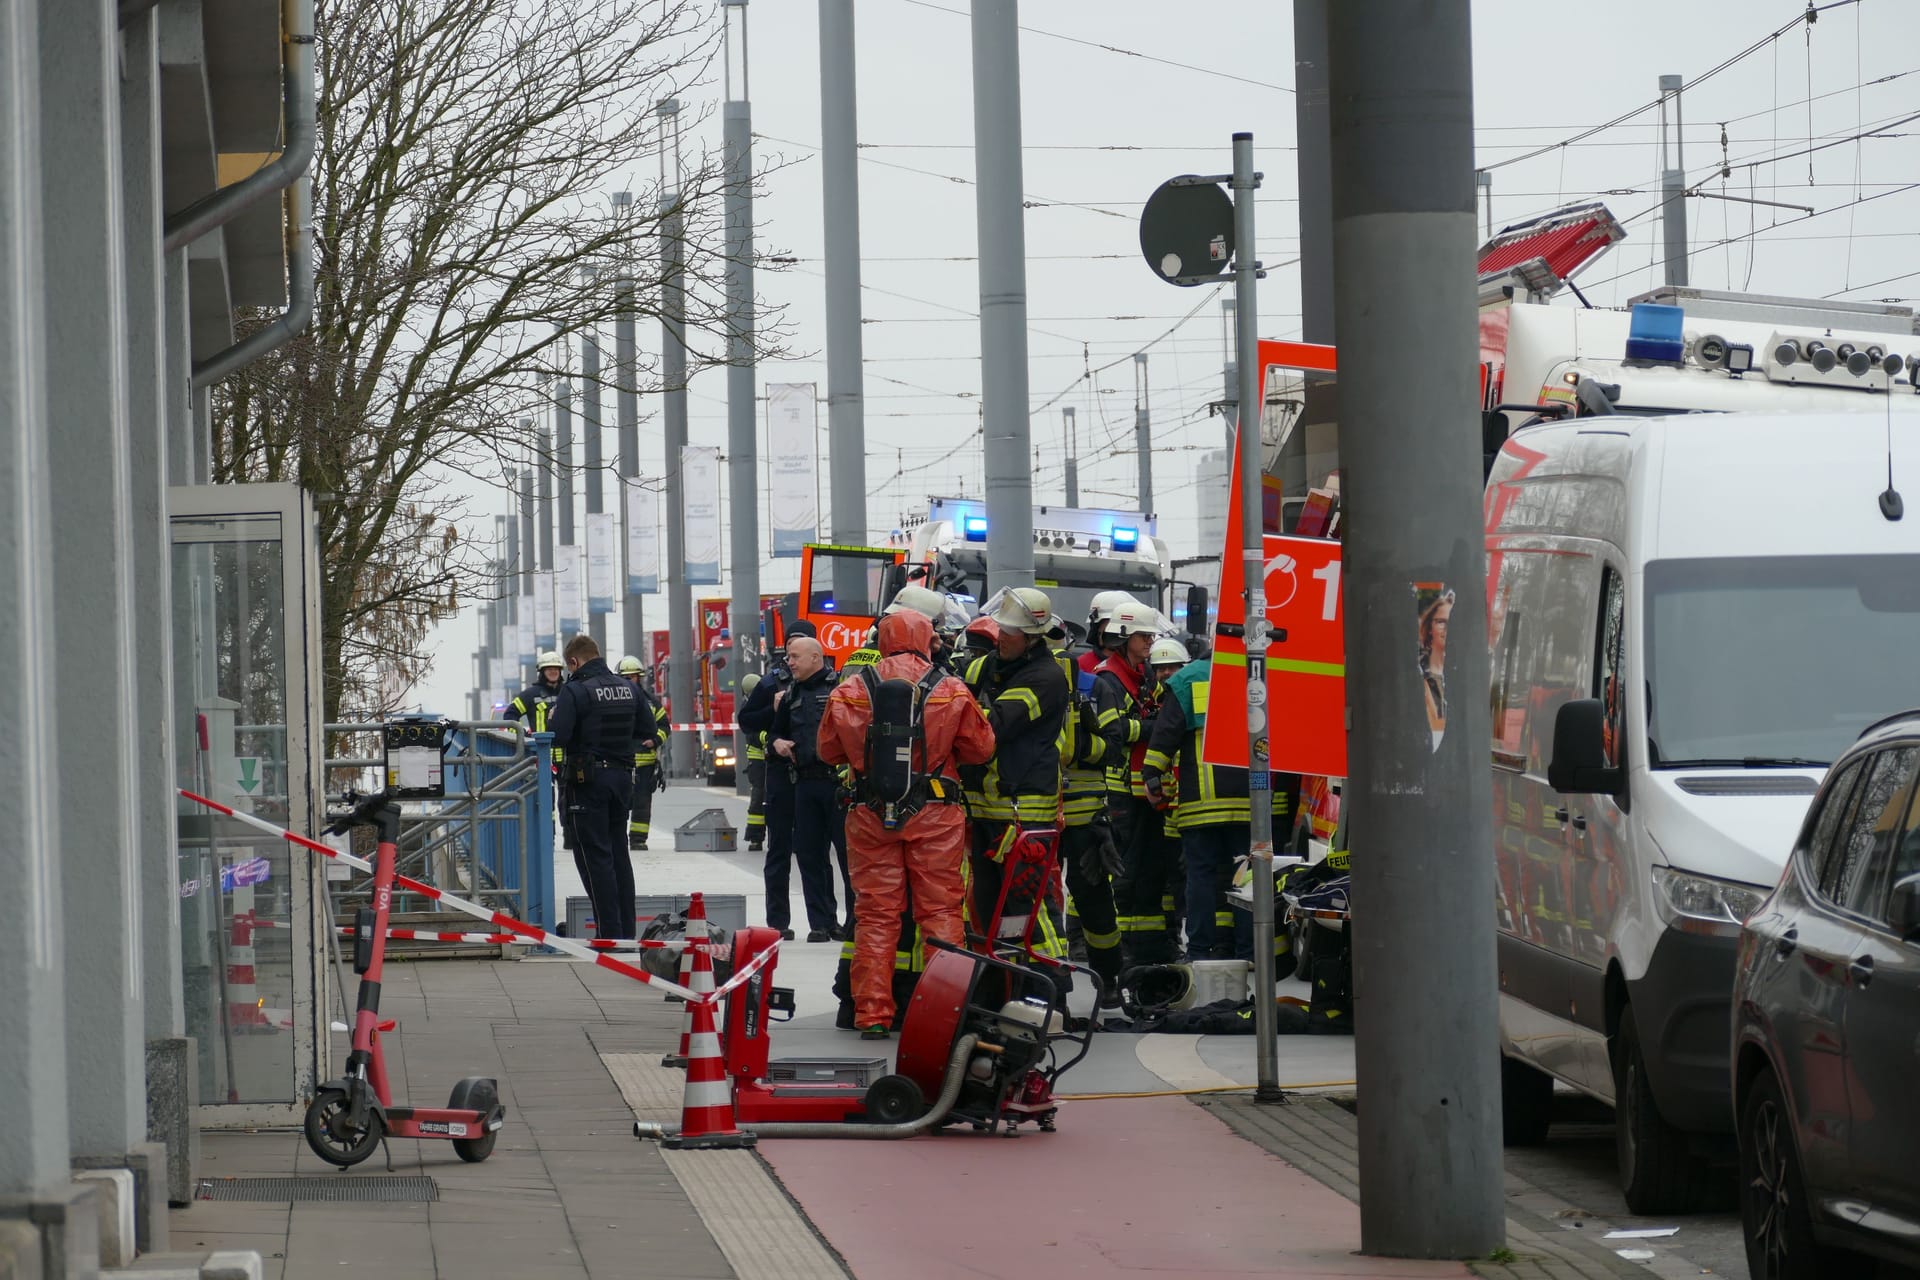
x=1185 y=1093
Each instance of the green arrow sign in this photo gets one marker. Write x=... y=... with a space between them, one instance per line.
x=249 y=773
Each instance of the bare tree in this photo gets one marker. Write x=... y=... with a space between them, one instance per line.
x=466 y=150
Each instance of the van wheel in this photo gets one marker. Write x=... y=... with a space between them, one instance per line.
x=1658 y=1171
x=1526 y=1103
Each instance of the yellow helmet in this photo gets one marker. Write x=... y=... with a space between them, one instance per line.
x=630 y=666
x=549 y=659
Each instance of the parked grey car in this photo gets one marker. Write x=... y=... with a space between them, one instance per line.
x=1826 y=1032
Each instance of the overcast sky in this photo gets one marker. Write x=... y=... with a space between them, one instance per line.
x=1102 y=128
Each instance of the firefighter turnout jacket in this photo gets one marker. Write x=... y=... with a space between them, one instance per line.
x=534 y=704
x=1123 y=706
x=1026 y=702
x=1209 y=795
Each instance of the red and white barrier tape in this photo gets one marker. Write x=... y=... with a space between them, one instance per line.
x=719 y=950
x=753 y=966
x=714 y=726
x=566 y=946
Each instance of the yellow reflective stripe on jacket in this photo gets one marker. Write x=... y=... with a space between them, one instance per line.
x=1025 y=697
x=1157 y=760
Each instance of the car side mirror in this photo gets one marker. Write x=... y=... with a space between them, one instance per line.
x=1903 y=910
x=1579 y=762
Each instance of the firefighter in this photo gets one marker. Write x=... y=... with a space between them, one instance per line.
x=1098 y=616
x=905 y=828
x=1123 y=695
x=646 y=753
x=1025 y=696
x=593 y=722
x=756 y=770
x=1087 y=852
x=534 y=704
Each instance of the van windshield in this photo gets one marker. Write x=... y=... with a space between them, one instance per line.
x=1777 y=660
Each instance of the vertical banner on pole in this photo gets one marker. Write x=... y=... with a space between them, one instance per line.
x=602 y=560
x=523 y=633
x=793 y=489
x=547 y=636
x=700 y=482
x=566 y=590
x=643 y=539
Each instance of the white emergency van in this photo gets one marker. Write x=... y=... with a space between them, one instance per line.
x=1690 y=615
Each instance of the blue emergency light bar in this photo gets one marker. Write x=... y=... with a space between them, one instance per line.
x=1655 y=332
x=975 y=528
x=1125 y=539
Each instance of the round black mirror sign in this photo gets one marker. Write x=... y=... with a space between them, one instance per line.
x=1186 y=231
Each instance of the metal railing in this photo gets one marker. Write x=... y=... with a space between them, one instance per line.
x=490 y=839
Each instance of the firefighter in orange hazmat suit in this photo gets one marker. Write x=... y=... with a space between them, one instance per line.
x=905 y=824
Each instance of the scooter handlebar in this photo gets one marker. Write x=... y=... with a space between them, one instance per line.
x=364 y=810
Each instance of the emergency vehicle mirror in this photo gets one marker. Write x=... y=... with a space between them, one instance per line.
x=1186 y=230
x=1197 y=610
x=1579 y=763
x=1493 y=434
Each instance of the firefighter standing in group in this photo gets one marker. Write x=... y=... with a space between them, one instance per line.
x=649 y=724
x=906 y=830
x=756 y=770
x=1024 y=694
x=1087 y=852
x=1123 y=694
x=534 y=704
x=593 y=723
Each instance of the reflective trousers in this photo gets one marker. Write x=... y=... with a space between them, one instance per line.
x=645 y=778
x=923 y=855
x=1214 y=930
x=1142 y=899
x=1087 y=851
x=756 y=803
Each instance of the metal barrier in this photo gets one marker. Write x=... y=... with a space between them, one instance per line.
x=490 y=839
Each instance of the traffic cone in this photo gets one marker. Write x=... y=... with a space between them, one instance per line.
x=243 y=1000
x=690 y=973
x=706 y=1115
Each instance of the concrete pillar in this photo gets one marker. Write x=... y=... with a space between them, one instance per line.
x=148 y=737
x=88 y=430
x=33 y=1054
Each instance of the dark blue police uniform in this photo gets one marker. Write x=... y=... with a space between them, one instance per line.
x=593 y=722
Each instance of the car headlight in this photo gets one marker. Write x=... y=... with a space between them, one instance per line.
x=723 y=756
x=1702 y=904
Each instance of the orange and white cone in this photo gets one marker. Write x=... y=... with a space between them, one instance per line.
x=706 y=1114
x=243 y=1000
x=691 y=974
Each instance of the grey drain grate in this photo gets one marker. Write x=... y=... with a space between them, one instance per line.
x=325 y=1186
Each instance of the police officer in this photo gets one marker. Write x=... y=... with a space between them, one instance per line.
x=801 y=817
x=593 y=722
x=647 y=731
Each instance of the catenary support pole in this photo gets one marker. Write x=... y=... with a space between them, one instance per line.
x=1423 y=883
x=1003 y=292
x=592 y=427
x=1673 y=185
x=681 y=658
x=1143 y=431
x=1246 y=333
x=743 y=469
x=626 y=356
x=546 y=500
x=840 y=183
x=563 y=454
x=529 y=552
x=1073 y=456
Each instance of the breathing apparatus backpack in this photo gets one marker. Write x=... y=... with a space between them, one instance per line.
x=898 y=779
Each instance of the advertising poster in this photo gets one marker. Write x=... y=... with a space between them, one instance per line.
x=700 y=474
x=567 y=600
x=793 y=449
x=602 y=560
x=643 y=539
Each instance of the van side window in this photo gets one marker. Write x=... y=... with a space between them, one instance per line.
x=1509 y=687
x=1821 y=843
x=1877 y=815
x=1609 y=675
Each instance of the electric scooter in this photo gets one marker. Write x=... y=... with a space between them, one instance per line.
x=349 y=1116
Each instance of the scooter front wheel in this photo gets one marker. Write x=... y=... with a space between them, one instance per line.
x=332 y=1135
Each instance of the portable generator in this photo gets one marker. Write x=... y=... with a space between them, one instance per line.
x=981 y=1045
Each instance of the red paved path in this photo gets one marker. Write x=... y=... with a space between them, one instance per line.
x=1136 y=1187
